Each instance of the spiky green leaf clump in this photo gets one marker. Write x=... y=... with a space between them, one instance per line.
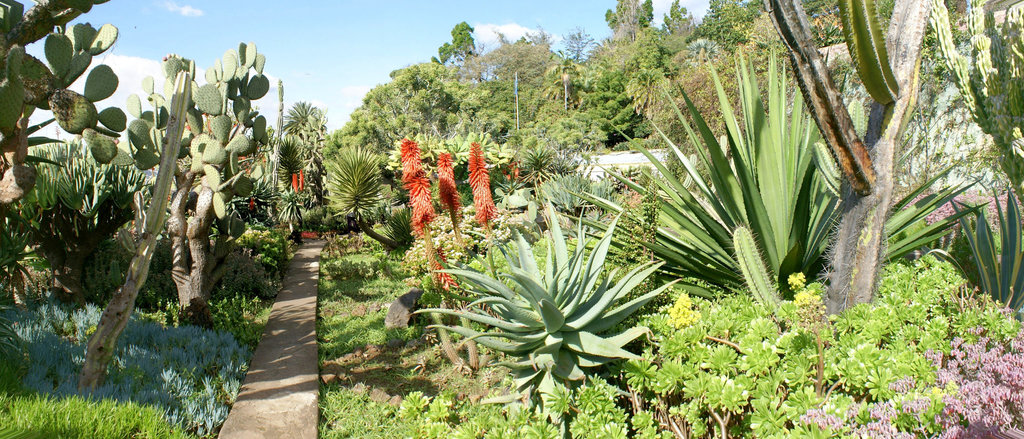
x=554 y=322
x=354 y=182
x=999 y=258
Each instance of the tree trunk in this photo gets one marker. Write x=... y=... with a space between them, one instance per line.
x=367 y=228
x=117 y=313
x=859 y=251
x=195 y=259
x=860 y=241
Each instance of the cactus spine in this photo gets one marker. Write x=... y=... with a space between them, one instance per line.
x=149 y=224
x=754 y=271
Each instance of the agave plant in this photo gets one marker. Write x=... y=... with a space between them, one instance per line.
x=773 y=182
x=354 y=188
x=553 y=321
x=1000 y=267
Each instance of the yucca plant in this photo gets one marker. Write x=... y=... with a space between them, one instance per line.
x=289 y=209
x=354 y=188
x=398 y=226
x=773 y=182
x=14 y=241
x=554 y=322
x=1000 y=267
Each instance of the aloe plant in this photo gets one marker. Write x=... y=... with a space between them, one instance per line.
x=1000 y=267
x=553 y=321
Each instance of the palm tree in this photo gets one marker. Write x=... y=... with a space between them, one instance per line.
x=703 y=50
x=644 y=89
x=355 y=189
x=309 y=124
x=560 y=79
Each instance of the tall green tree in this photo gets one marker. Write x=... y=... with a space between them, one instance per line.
x=678 y=21
x=461 y=47
x=578 y=44
x=728 y=22
x=309 y=124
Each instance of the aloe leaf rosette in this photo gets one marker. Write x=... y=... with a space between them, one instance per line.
x=556 y=321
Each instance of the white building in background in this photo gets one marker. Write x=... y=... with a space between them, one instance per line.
x=596 y=170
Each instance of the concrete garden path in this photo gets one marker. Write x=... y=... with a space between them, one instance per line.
x=279 y=396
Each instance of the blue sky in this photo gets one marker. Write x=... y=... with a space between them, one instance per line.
x=327 y=52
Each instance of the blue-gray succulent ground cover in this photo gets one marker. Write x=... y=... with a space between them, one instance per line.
x=192 y=374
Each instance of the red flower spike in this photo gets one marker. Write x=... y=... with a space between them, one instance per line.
x=295 y=182
x=446 y=182
x=302 y=180
x=480 y=181
x=414 y=179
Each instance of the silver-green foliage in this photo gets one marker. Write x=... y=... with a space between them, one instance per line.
x=554 y=322
x=990 y=78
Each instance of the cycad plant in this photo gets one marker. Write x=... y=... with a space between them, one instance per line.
x=773 y=182
x=553 y=319
x=354 y=188
x=291 y=162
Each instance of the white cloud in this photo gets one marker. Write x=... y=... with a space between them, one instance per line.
x=489 y=35
x=351 y=98
x=696 y=7
x=183 y=10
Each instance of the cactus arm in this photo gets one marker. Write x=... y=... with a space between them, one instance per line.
x=752 y=265
x=822 y=95
x=115 y=316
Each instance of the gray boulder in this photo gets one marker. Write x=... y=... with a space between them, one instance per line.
x=400 y=311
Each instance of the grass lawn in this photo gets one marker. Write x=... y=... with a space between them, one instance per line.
x=356 y=288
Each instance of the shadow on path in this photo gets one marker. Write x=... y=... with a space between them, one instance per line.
x=279 y=396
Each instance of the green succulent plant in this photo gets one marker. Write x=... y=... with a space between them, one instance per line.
x=999 y=257
x=555 y=321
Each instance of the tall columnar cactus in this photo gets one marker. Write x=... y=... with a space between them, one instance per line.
x=752 y=266
x=149 y=222
x=27 y=84
x=889 y=70
x=223 y=135
x=991 y=79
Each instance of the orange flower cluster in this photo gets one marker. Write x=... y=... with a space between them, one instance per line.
x=480 y=181
x=446 y=182
x=415 y=180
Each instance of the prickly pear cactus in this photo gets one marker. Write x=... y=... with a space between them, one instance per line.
x=28 y=83
x=991 y=78
x=223 y=130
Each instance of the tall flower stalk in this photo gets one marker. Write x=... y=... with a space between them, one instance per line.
x=480 y=181
x=449 y=194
